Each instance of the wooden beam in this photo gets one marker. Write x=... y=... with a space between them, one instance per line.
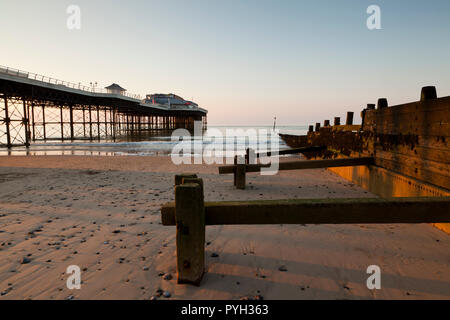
x=306 y=164
x=353 y=127
x=322 y=211
x=292 y=151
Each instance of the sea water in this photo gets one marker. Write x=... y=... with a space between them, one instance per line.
x=154 y=143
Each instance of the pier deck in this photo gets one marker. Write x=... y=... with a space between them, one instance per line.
x=34 y=107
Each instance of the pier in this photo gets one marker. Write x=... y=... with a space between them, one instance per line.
x=38 y=108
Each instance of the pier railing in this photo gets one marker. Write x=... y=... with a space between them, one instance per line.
x=57 y=82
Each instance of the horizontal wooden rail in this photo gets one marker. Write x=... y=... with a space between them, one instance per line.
x=306 y=164
x=353 y=127
x=322 y=211
x=191 y=215
x=291 y=151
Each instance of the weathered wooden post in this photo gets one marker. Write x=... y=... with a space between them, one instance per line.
x=240 y=173
x=326 y=123
x=317 y=126
x=428 y=93
x=179 y=177
x=337 y=121
x=382 y=103
x=235 y=169
x=190 y=223
x=311 y=129
x=250 y=156
x=349 y=120
x=370 y=106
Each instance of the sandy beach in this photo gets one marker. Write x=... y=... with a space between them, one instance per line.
x=103 y=214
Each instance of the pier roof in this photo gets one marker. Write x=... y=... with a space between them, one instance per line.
x=115 y=86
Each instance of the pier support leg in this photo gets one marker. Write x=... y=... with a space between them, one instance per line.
x=43 y=123
x=106 y=122
x=26 y=123
x=98 y=122
x=71 y=123
x=190 y=222
x=62 y=122
x=90 y=123
x=7 y=122
x=32 y=123
x=113 y=123
x=84 y=122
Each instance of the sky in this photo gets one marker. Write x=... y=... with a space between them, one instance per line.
x=245 y=61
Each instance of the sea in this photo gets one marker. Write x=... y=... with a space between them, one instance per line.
x=159 y=143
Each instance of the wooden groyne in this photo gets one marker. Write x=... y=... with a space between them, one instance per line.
x=409 y=144
x=191 y=214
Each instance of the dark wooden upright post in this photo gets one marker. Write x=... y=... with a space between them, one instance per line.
x=349 y=120
x=250 y=156
x=382 y=103
x=428 y=93
x=317 y=126
x=326 y=123
x=240 y=173
x=190 y=224
x=337 y=121
x=235 y=161
x=311 y=129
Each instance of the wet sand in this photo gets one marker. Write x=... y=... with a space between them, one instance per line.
x=103 y=214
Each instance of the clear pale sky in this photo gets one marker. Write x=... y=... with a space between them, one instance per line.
x=245 y=61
